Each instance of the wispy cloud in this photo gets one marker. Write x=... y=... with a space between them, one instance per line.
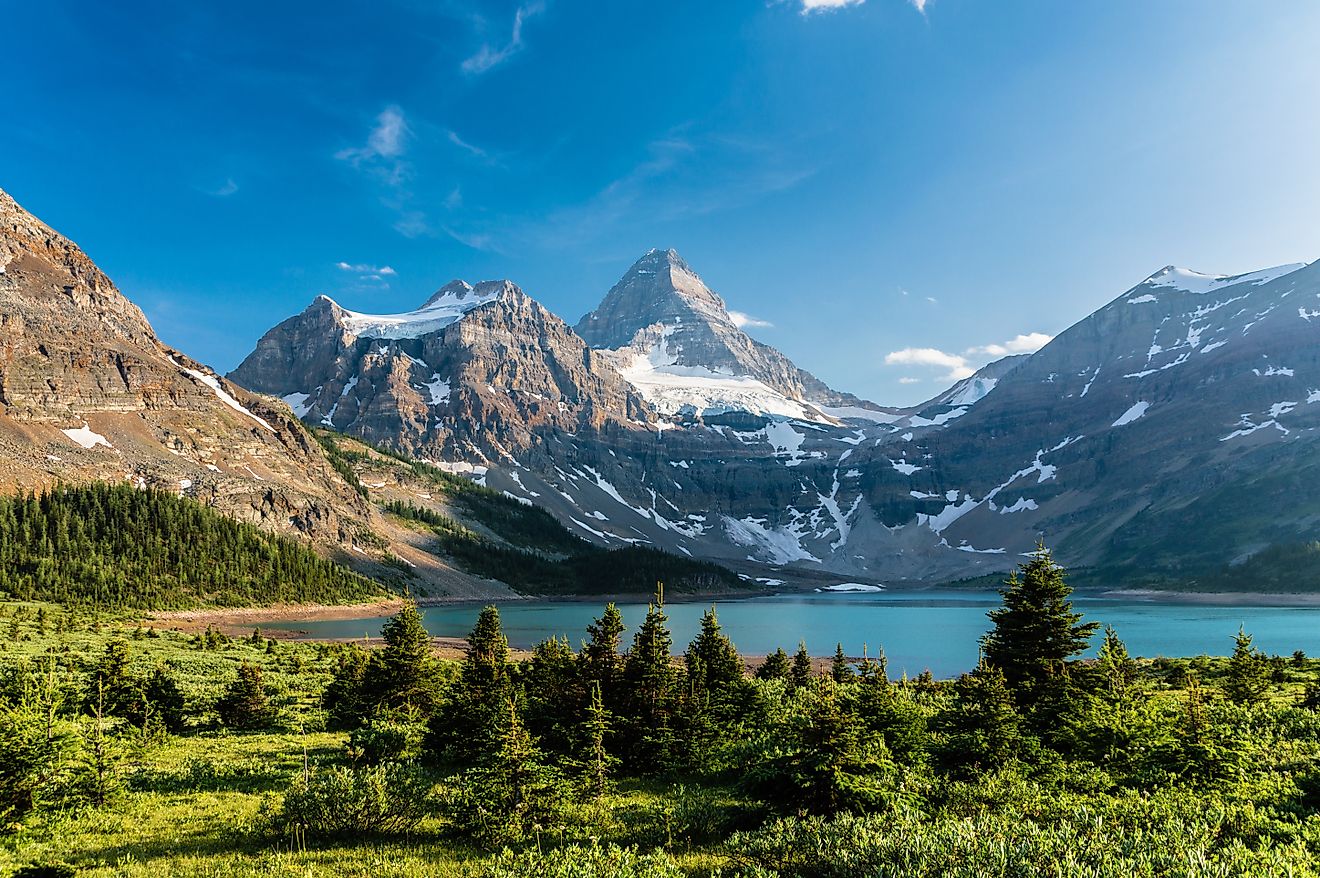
x=743 y=321
x=810 y=6
x=920 y=5
x=959 y=366
x=488 y=56
x=908 y=379
x=467 y=147
x=228 y=189
x=382 y=156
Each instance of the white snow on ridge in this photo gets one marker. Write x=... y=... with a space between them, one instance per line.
x=1188 y=281
x=1142 y=300
x=435 y=315
x=974 y=392
x=223 y=395
x=1022 y=505
x=1138 y=409
x=853 y=588
x=86 y=437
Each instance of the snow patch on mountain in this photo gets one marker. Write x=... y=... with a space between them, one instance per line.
x=1137 y=410
x=441 y=311
x=86 y=437
x=214 y=383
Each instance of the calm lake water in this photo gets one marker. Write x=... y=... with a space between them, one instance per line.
x=927 y=629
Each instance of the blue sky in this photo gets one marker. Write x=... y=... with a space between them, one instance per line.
x=934 y=179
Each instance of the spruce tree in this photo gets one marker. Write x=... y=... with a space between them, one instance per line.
x=601 y=658
x=244 y=705
x=597 y=764
x=800 y=674
x=713 y=664
x=841 y=669
x=1248 y=672
x=649 y=679
x=465 y=726
x=1117 y=670
x=983 y=729
x=1036 y=632
x=775 y=667
x=556 y=696
x=403 y=675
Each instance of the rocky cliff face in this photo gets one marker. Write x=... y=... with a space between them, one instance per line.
x=479 y=371
x=674 y=339
x=87 y=391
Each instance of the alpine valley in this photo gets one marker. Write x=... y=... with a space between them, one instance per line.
x=1174 y=427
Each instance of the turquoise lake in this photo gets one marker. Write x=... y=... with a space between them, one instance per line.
x=918 y=629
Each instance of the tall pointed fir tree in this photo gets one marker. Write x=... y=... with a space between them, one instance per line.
x=649 y=679
x=602 y=661
x=713 y=664
x=404 y=675
x=465 y=726
x=840 y=668
x=1036 y=632
x=775 y=667
x=800 y=673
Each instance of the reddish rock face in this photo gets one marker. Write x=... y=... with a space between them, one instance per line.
x=87 y=391
x=500 y=372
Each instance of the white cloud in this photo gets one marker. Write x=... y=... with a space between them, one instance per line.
x=920 y=5
x=226 y=190
x=387 y=140
x=487 y=57
x=957 y=366
x=742 y=320
x=364 y=268
x=908 y=379
x=960 y=366
x=810 y=6
x=1019 y=344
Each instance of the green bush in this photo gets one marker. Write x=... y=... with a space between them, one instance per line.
x=344 y=802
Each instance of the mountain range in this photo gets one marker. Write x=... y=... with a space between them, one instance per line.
x=1165 y=438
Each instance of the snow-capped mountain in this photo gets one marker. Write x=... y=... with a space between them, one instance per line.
x=474 y=373
x=661 y=422
x=674 y=340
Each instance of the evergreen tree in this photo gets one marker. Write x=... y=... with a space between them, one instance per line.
x=713 y=664
x=463 y=729
x=512 y=792
x=649 y=680
x=1248 y=672
x=800 y=674
x=597 y=764
x=403 y=675
x=828 y=766
x=113 y=688
x=244 y=705
x=982 y=728
x=841 y=669
x=556 y=696
x=775 y=667
x=344 y=698
x=163 y=699
x=1036 y=632
x=601 y=658
x=1117 y=670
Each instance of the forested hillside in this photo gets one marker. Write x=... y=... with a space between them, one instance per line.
x=117 y=546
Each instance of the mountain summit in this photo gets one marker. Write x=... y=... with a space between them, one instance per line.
x=674 y=339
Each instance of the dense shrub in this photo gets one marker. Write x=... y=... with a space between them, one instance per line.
x=345 y=802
